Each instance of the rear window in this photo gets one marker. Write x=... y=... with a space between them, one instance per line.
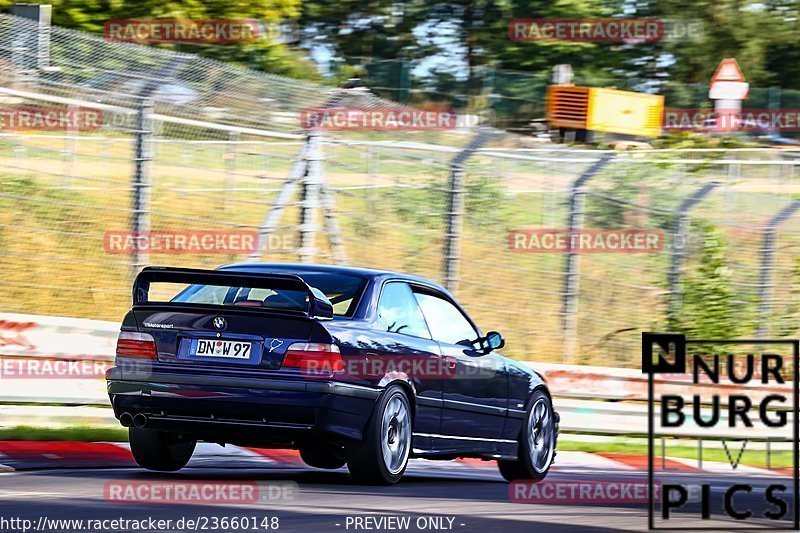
x=342 y=290
x=279 y=299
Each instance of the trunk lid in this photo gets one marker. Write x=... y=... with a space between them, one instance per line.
x=224 y=319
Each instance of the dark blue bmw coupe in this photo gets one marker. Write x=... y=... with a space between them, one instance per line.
x=350 y=366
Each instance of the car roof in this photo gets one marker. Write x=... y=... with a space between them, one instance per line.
x=334 y=269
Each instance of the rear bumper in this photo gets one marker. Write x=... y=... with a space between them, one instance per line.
x=243 y=410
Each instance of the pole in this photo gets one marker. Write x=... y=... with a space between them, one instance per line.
x=572 y=267
x=767 y=268
x=332 y=225
x=140 y=219
x=310 y=200
x=274 y=215
x=679 y=250
x=455 y=209
x=36 y=44
x=231 y=154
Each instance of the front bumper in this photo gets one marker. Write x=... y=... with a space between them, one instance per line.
x=243 y=410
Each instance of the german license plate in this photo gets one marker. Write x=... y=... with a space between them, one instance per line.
x=220 y=348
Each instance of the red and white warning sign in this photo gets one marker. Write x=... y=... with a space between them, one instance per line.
x=728 y=70
x=728 y=82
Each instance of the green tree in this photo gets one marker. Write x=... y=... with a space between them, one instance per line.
x=709 y=308
x=761 y=35
x=264 y=54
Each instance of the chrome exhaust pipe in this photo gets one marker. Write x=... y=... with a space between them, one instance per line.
x=126 y=419
x=139 y=420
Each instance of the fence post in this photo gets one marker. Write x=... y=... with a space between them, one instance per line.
x=35 y=45
x=310 y=186
x=274 y=215
x=768 y=266
x=140 y=216
x=332 y=224
x=572 y=266
x=455 y=212
x=70 y=149
x=230 y=154
x=455 y=209
x=679 y=251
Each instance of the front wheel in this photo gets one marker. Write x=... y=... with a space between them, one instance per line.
x=382 y=457
x=537 y=442
x=159 y=450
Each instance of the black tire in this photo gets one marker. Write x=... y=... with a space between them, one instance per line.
x=159 y=450
x=365 y=459
x=327 y=457
x=534 y=466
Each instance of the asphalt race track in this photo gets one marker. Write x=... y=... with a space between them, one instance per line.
x=325 y=499
x=444 y=496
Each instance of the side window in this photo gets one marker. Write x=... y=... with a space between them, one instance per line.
x=399 y=312
x=446 y=322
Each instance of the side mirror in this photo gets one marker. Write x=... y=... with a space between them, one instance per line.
x=494 y=341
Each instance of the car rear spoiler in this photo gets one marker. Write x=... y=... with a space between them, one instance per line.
x=318 y=304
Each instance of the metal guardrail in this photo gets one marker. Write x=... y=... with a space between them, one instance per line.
x=591 y=400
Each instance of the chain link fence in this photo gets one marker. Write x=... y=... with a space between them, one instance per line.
x=190 y=145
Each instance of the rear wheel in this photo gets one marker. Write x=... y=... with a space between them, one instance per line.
x=159 y=450
x=327 y=457
x=382 y=457
x=537 y=442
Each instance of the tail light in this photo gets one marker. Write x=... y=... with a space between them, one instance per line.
x=135 y=344
x=314 y=357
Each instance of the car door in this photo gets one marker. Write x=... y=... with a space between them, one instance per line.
x=474 y=397
x=403 y=345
